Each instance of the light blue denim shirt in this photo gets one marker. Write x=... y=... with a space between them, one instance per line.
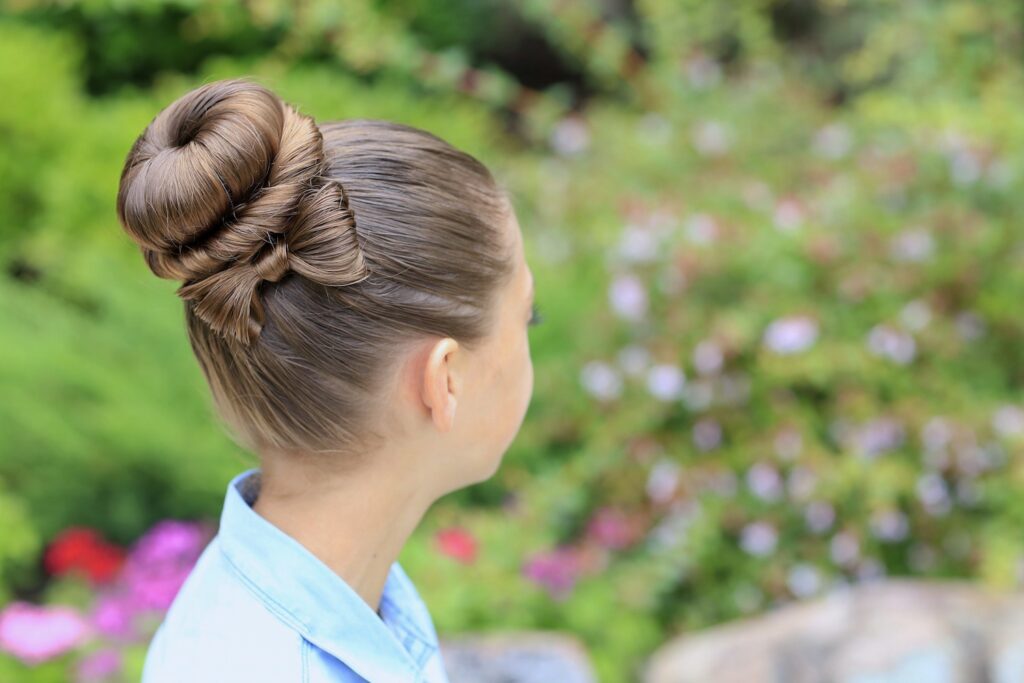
x=259 y=607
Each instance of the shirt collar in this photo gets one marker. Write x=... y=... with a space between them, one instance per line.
x=298 y=587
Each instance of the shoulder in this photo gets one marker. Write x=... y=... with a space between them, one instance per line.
x=219 y=629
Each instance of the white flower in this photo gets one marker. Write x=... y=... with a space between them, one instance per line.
x=870 y=569
x=916 y=315
x=711 y=138
x=628 y=297
x=570 y=136
x=964 y=166
x=833 y=141
x=665 y=381
x=634 y=360
x=637 y=244
x=655 y=127
x=672 y=529
x=1008 y=421
x=912 y=246
x=790 y=335
x=969 y=325
x=703 y=71
x=934 y=494
x=698 y=395
x=757 y=195
x=701 y=229
x=663 y=480
x=922 y=557
x=804 y=580
x=759 y=539
x=844 y=549
x=801 y=483
x=1000 y=174
x=764 y=481
x=878 y=436
x=708 y=357
x=723 y=483
x=707 y=434
x=891 y=343
x=819 y=515
x=890 y=525
x=789 y=214
x=936 y=433
x=788 y=443
x=601 y=380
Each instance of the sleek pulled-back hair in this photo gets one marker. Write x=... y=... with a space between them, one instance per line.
x=311 y=255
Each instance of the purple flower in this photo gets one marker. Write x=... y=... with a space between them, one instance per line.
x=791 y=335
x=707 y=434
x=556 y=570
x=601 y=380
x=627 y=297
x=890 y=525
x=708 y=357
x=764 y=481
x=160 y=561
x=665 y=381
x=35 y=634
x=820 y=515
x=759 y=539
x=891 y=343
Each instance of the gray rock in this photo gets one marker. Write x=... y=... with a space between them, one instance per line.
x=517 y=657
x=895 y=631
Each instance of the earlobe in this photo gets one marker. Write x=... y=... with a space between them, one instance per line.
x=441 y=384
x=450 y=412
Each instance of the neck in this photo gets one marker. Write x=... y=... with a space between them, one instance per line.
x=356 y=523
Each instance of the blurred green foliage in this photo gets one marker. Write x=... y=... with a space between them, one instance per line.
x=839 y=178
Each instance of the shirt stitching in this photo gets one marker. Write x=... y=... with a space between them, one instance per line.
x=274 y=606
x=305 y=660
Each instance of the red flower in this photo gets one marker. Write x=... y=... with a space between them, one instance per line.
x=457 y=543
x=82 y=550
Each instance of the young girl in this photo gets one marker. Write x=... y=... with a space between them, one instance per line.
x=357 y=297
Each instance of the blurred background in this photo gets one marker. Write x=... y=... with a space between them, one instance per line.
x=777 y=250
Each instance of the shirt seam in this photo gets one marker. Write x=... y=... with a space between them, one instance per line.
x=275 y=607
x=286 y=615
x=305 y=660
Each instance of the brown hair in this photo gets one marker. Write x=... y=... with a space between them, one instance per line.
x=311 y=255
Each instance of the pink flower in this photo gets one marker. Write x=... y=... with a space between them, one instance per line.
x=556 y=570
x=113 y=615
x=98 y=666
x=456 y=543
x=611 y=529
x=35 y=634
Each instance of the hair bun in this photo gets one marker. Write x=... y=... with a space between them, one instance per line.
x=209 y=190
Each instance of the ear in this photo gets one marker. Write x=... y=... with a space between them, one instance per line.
x=441 y=384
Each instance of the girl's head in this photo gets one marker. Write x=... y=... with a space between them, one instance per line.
x=347 y=285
